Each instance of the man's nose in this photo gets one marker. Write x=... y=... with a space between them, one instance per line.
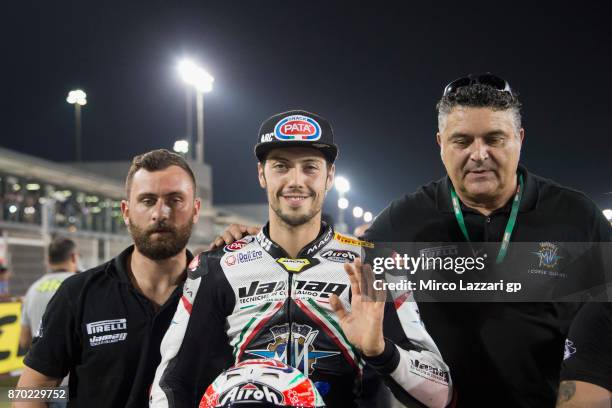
x=480 y=151
x=296 y=177
x=161 y=211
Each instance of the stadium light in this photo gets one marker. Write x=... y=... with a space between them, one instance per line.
x=357 y=212
x=608 y=214
x=202 y=81
x=196 y=76
x=77 y=98
x=367 y=216
x=181 y=146
x=342 y=185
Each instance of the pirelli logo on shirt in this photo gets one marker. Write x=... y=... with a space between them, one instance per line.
x=107 y=331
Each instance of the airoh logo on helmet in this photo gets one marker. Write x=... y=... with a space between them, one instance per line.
x=252 y=392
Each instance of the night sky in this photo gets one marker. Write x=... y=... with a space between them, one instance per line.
x=374 y=71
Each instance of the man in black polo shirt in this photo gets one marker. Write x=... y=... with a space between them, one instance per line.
x=104 y=326
x=500 y=354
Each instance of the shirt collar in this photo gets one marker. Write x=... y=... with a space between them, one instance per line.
x=119 y=264
x=528 y=201
x=326 y=233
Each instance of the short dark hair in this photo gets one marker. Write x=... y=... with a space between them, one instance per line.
x=60 y=250
x=480 y=96
x=156 y=160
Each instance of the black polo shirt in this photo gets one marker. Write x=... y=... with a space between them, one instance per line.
x=499 y=354
x=588 y=348
x=106 y=334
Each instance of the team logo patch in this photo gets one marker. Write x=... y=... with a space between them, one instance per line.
x=297 y=127
x=431 y=373
x=248 y=256
x=303 y=338
x=107 y=331
x=230 y=260
x=339 y=255
x=570 y=349
x=266 y=137
x=252 y=392
x=318 y=245
x=317 y=289
x=263 y=241
x=262 y=292
x=352 y=241
x=548 y=255
x=296 y=265
x=238 y=245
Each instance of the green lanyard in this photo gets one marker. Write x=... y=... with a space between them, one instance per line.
x=509 y=227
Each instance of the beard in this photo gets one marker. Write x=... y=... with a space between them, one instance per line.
x=295 y=220
x=173 y=241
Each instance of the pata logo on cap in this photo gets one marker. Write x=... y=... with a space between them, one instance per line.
x=297 y=127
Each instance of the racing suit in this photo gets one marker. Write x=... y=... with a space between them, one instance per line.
x=250 y=300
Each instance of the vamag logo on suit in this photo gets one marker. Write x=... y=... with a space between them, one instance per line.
x=107 y=331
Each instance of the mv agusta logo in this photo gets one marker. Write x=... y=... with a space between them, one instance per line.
x=252 y=392
x=548 y=255
x=304 y=355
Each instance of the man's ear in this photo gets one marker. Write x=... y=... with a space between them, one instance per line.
x=125 y=211
x=522 y=135
x=261 y=175
x=197 y=204
x=439 y=139
x=331 y=174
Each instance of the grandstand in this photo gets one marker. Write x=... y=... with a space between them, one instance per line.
x=40 y=198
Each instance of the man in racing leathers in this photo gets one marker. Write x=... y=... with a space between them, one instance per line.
x=293 y=292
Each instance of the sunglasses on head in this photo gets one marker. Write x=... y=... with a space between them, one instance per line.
x=484 y=79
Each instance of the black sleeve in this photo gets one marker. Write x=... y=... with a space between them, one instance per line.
x=53 y=350
x=195 y=349
x=603 y=236
x=588 y=348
